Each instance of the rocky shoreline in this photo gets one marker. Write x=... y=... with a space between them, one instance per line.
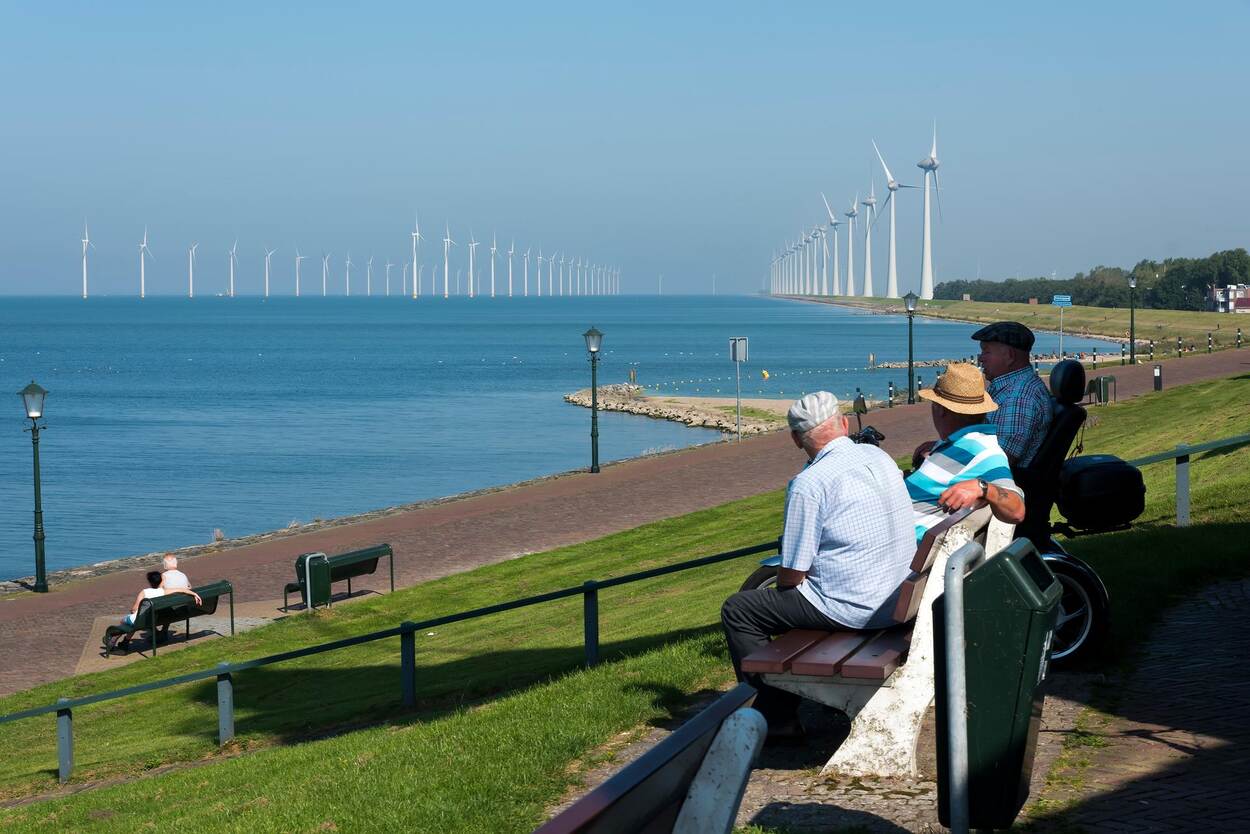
x=631 y=399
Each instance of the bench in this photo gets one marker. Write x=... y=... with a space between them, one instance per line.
x=882 y=680
x=175 y=608
x=345 y=566
x=689 y=783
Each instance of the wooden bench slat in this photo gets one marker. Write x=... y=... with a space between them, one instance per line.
x=910 y=593
x=826 y=657
x=879 y=657
x=776 y=656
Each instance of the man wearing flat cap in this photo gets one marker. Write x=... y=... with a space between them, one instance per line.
x=1024 y=405
x=845 y=549
x=967 y=465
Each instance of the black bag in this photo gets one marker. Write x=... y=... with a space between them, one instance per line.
x=1100 y=492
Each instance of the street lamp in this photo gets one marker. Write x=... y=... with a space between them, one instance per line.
x=32 y=398
x=909 y=301
x=1132 y=319
x=594 y=341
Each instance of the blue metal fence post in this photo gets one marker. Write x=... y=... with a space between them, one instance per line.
x=64 y=741
x=590 y=616
x=408 y=663
x=1182 y=487
x=225 y=703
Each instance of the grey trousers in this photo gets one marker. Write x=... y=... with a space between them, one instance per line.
x=750 y=618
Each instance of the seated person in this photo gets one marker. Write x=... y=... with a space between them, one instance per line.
x=846 y=547
x=1024 y=404
x=174 y=581
x=140 y=609
x=966 y=465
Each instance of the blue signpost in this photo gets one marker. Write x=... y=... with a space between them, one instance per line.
x=1061 y=301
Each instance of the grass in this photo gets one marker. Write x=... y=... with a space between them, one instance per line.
x=502 y=718
x=753 y=413
x=1161 y=325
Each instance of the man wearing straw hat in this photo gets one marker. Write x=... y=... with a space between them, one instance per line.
x=845 y=549
x=966 y=465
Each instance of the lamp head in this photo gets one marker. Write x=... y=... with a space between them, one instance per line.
x=910 y=300
x=1132 y=282
x=32 y=398
x=594 y=340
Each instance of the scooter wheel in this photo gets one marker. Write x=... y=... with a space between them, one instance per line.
x=765 y=576
x=1084 y=612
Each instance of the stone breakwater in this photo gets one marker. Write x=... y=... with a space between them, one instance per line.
x=631 y=400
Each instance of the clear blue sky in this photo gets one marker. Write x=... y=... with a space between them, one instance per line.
x=687 y=139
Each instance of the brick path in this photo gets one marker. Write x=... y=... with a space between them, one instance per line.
x=457 y=535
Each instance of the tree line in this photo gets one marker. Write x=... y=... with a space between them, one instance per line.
x=1173 y=284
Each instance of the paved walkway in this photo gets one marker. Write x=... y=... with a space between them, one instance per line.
x=42 y=637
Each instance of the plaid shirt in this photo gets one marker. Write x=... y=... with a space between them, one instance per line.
x=1024 y=409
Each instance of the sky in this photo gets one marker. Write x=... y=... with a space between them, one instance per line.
x=685 y=139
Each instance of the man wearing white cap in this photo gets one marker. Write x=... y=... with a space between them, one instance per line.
x=845 y=549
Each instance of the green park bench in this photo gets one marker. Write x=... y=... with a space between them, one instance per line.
x=343 y=567
x=882 y=680
x=689 y=783
x=175 y=608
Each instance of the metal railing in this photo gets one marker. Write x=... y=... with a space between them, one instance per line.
x=406 y=631
x=1181 y=455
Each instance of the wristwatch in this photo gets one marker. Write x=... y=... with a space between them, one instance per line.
x=985 y=487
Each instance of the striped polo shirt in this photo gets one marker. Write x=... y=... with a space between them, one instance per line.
x=968 y=454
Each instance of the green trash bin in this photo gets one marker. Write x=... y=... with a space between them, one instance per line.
x=1011 y=603
x=316 y=579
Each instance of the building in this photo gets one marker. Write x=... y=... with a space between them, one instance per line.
x=1241 y=305
x=1222 y=299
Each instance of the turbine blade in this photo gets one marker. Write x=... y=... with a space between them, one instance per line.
x=832 y=219
x=876 y=215
x=888 y=176
x=937 y=190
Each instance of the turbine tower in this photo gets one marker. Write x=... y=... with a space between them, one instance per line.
x=191 y=270
x=388 y=278
x=511 y=250
x=492 y=264
x=834 y=223
x=473 y=244
x=268 y=255
x=144 y=250
x=870 y=208
x=234 y=260
x=526 y=259
x=369 y=277
x=86 y=242
x=929 y=165
x=540 y=272
x=325 y=272
x=850 y=246
x=348 y=288
x=447 y=244
x=891 y=281
x=416 y=238
x=298 y=258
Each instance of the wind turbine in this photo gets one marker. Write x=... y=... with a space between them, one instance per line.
x=891 y=281
x=325 y=272
x=929 y=165
x=420 y=275
x=492 y=264
x=191 y=270
x=369 y=277
x=348 y=288
x=850 y=246
x=86 y=242
x=298 y=258
x=526 y=259
x=447 y=244
x=834 y=222
x=473 y=244
x=405 y=279
x=870 y=206
x=540 y=272
x=388 y=277
x=551 y=273
x=234 y=260
x=416 y=238
x=268 y=255
x=511 y=250
x=144 y=250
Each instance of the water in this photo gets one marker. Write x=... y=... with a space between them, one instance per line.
x=169 y=418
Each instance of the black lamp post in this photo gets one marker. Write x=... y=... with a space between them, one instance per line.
x=32 y=398
x=594 y=341
x=909 y=301
x=1132 y=319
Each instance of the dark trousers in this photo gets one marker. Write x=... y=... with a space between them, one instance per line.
x=750 y=618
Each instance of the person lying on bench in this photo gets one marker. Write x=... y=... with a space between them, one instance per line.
x=966 y=464
x=845 y=549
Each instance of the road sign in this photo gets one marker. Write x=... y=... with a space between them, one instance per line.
x=738 y=348
x=1062 y=301
x=738 y=353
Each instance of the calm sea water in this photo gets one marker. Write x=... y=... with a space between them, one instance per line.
x=169 y=418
